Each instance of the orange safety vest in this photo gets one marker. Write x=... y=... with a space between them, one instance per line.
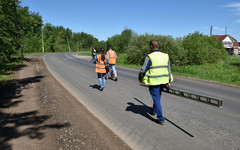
x=100 y=65
x=111 y=56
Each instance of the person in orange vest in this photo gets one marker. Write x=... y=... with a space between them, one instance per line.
x=100 y=69
x=111 y=58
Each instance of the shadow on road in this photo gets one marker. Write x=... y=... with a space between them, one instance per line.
x=13 y=90
x=95 y=86
x=140 y=109
x=10 y=125
x=144 y=110
x=16 y=125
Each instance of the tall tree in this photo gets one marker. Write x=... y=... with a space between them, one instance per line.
x=120 y=42
x=30 y=24
x=125 y=39
x=61 y=41
x=8 y=31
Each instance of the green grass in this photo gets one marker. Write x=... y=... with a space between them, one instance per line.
x=85 y=54
x=8 y=69
x=223 y=72
x=35 y=53
x=7 y=72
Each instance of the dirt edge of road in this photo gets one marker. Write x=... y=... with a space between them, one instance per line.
x=37 y=113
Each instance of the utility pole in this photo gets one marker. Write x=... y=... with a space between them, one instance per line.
x=77 y=43
x=81 y=45
x=225 y=30
x=42 y=40
x=211 y=31
x=68 y=44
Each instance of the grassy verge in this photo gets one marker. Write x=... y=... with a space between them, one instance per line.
x=223 y=72
x=7 y=72
x=31 y=53
x=85 y=54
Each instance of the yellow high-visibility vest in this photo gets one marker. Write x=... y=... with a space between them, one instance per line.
x=158 y=72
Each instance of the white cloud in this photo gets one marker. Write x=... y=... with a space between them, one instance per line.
x=237 y=21
x=215 y=28
x=218 y=28
x=235 y=7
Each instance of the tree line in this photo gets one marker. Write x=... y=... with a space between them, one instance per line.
x=22 y=31
x=193 y=49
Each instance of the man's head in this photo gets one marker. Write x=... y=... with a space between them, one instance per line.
x=153 y=44
x=109 y=47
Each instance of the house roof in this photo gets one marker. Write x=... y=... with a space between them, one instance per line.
x=220 y=38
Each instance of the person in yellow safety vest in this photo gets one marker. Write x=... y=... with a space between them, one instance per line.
x=101 y=63
x=112 y=57
x=156 y=74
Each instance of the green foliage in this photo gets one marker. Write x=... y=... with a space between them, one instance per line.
x=138 y=48
x=7 y=70
x=223 y=71
x=85 y=54
x=55 y=39
x=194 y=49
x=120 y=42
x=125 y=39
x=81 y=41
x=122 y=61
x=21 y=30
x=9 y=35
x=61 y=42
x=115 y=42
x=202 y=49
x=31 y=43
x=100 y=44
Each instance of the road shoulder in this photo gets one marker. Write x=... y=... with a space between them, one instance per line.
x=39 y=113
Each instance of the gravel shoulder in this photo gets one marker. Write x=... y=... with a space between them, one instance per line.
x=38 y=113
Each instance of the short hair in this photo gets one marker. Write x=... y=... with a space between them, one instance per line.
x=154 y=43
x=109 y=46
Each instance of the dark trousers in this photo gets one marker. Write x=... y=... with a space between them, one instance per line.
x=156 y=92
x=93 y=57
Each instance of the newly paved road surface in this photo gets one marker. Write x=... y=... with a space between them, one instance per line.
x=124 y=108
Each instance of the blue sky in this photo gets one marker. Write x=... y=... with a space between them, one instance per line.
x=105 y=18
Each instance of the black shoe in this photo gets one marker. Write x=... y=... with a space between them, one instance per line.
x=115 y=79
x=161 y=122
x=112 y=75
x=101 y=88
x=151 y=112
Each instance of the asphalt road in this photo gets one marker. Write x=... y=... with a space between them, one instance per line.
x=124 y=108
